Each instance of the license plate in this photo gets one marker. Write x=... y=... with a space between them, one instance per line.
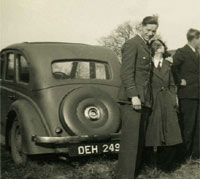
x=92 y=149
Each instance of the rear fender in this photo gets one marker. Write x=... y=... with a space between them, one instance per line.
x=31 y=123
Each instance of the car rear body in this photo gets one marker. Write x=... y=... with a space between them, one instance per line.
x=65 y=97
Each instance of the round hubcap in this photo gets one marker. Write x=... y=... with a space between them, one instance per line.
x=92 y=113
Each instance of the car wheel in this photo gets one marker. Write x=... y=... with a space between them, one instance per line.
x=89 y=111
x=18 y=155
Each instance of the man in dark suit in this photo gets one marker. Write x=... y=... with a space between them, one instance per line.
x=186 y=74
x=135 y=94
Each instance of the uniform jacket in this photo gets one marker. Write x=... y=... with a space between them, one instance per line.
x=186 y=66
x=135 y=71
x=163 y=127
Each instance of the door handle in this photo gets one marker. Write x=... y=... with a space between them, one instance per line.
x=12 y=97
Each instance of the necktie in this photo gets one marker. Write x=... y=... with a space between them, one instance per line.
x=148 y=43
x=197 y=54
x=159 y=65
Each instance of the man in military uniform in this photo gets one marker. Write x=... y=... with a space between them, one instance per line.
x=135 y=94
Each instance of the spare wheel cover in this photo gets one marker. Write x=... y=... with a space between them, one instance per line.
x=89 y=111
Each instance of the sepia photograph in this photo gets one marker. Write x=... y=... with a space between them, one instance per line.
x=99 y=89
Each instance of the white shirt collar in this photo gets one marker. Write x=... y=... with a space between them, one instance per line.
x=156 y=61
x=193 y=49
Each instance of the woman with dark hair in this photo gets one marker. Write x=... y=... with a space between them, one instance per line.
x=163 y=126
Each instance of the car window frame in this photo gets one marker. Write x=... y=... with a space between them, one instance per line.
x=21 y=83
x=5 y=67
x=15 y=82
x=2 y=70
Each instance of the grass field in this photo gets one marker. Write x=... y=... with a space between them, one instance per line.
x=100 y=167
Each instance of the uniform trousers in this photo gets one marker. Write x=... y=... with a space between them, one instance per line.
x=134 y=124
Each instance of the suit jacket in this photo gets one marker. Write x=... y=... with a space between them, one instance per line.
x=186 y=66
x=135 y=71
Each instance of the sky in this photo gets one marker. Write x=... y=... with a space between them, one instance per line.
x=86 y=21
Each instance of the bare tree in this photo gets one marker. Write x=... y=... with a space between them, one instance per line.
x=118 y=36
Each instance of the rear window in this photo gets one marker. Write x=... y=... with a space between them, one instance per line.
x=81 y=70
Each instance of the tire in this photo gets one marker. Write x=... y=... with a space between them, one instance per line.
x=89 y=111
x=19 y=157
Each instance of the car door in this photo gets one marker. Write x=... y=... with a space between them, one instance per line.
x=7 y=85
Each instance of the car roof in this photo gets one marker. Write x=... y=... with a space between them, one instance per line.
x=61 y=50
x=40 y=56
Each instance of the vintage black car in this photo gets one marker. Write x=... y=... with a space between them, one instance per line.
x=59 y=98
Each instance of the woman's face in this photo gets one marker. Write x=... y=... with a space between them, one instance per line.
x=158 y=47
